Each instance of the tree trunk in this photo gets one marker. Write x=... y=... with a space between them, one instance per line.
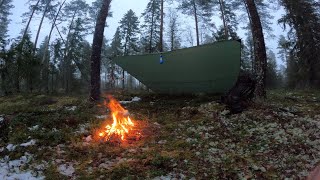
x=40 y=25
x=260 y=50
x=224 y=19
x=172 y=40
x=123 y=79
x=151 y=30
x=126 y=46
x=52 y=82
x=28 y=24
x=161 y=29
x=47 y=43
x=252 y=51
x=196 y=21
x=96 y=50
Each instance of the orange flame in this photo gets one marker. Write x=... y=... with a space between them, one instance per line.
x=122 y=123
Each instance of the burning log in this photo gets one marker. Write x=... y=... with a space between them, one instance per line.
x=122 y=127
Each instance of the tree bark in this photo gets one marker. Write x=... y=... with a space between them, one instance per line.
x=196 y=21
x=161 y=28
x=260 y=50
x=96 y=50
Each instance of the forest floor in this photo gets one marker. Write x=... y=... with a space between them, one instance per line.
x=182 y=137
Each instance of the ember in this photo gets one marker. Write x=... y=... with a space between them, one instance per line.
x=122 y=127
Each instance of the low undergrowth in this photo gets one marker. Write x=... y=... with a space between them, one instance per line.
x=184 y=137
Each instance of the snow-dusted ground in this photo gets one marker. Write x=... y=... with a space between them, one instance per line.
x=12 y=169
x=66 y=169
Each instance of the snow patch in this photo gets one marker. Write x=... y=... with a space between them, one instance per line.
x=71 y=108
x=66 y=170
x=30 y=143
x=33 y=128
x=134 y=99
x=11 y=147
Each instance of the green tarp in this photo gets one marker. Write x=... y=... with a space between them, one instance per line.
x=211 y=68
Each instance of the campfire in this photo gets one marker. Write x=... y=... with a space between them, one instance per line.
x=122 y=127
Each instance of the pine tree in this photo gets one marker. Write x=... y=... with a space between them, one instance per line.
x=46 y=7
x=44 y=57
x=200 y=10
x=230 y=22
x=75 y=13
x=129 y=29
x=271 y=75
x=285 y=46
x=27 y=64
x=303 y=17
x=5 y=8
x=173 y=36
x=114 y=50
x=151 y=26
x=116 y=45
x=246 y=63
x=43 y=49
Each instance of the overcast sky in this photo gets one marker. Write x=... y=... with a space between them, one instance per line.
x=119 y=8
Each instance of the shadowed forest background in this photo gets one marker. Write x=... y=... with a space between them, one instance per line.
x=55 y=87
x=62 y=63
